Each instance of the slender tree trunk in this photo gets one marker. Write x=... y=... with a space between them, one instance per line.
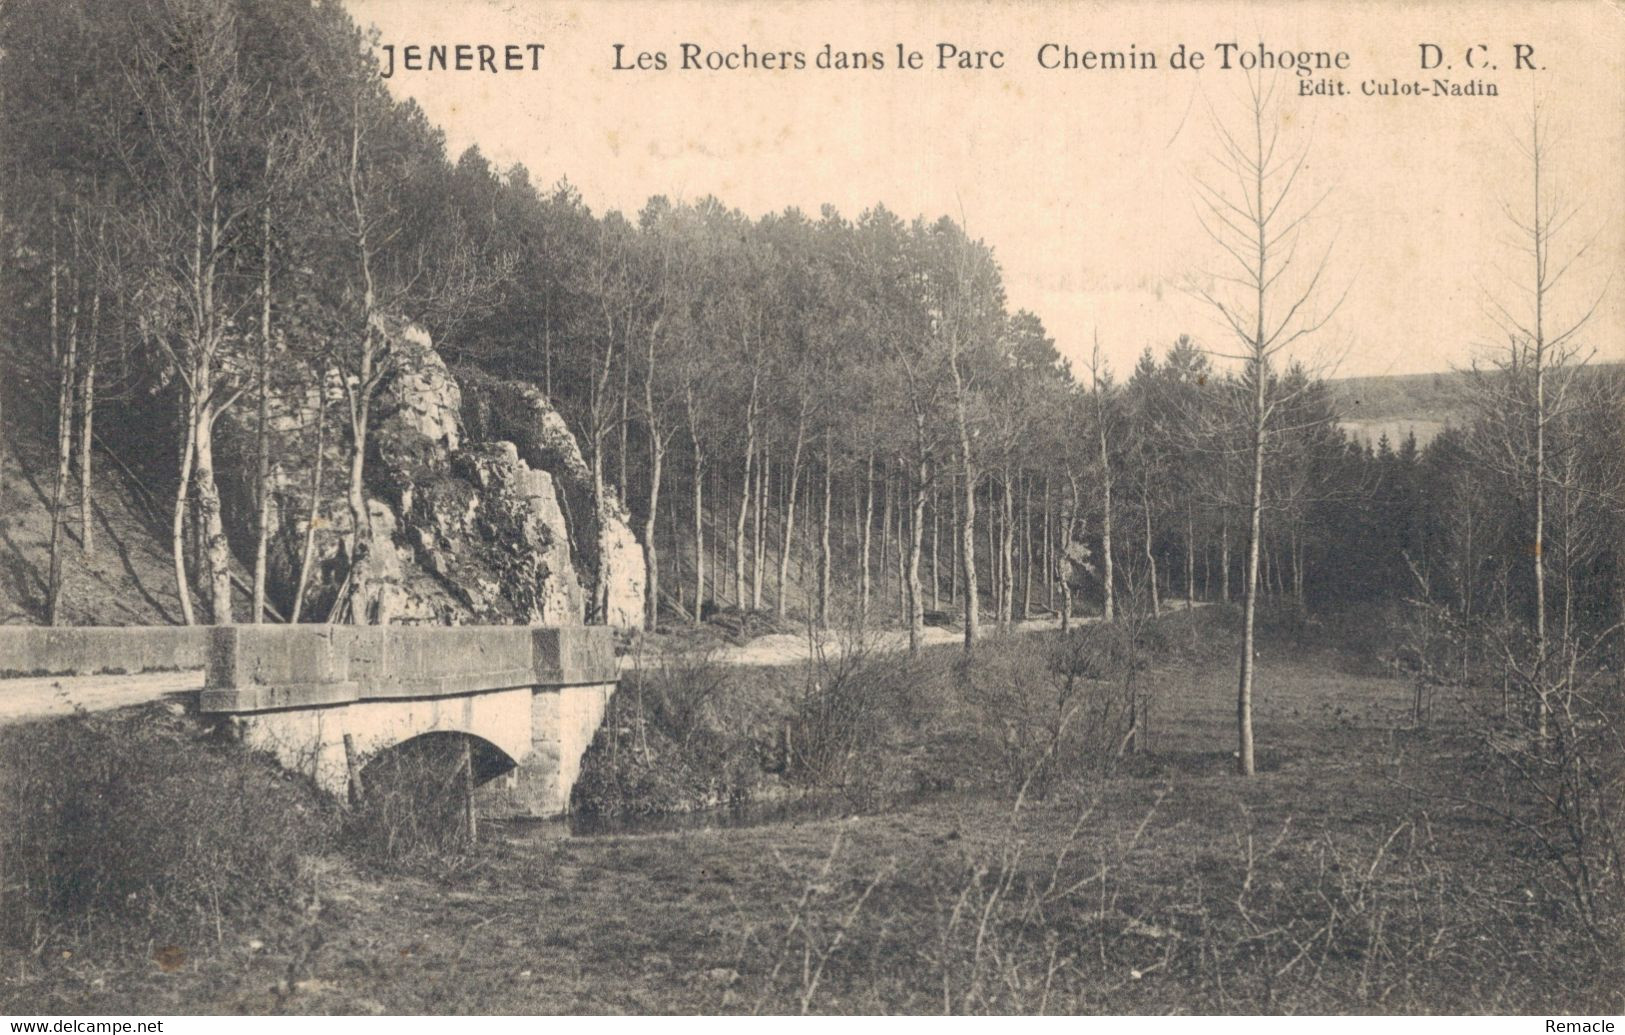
x=1244 y=693
x=699 y=530
x=825 y=562
x=177 y=541
x=902 y=554
x=936 y=527
x=764 y=481
x=262 y=438
x=916 y=596
x=626 y=392
x=1026 y=547
x=1538 y=550
x=67 y=375
x=744 y=512
x=547 y=349
x=1069 y=511
x=1007 y=552
x=885 y=519
x=865 y=579
x=204 y=350
x=1566 y=509
x=308 y=554
x=967 y=543
x=87 y=426
x=194 y=542
x=673 y=536
x=1107 y=579
x=1264 y=568
x=788 y=537
x=657 y=453
x=213 y=524
x=967 y=531
x=995 y=577
x=1150 y=554
x=885 y=527
x=953 y=541
x=1049 y=549
x=717 y=488
x=360 y=518
x=657 y=459
x=1224 y=558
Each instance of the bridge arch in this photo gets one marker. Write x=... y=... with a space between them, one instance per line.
x=324 y=698
x=320 y=741
x=433 y=755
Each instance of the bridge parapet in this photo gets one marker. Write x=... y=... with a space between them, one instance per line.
x=537 y=694
x=255 y=668
x=83 y=650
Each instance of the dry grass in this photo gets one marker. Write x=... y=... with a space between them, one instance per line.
x=132 y=829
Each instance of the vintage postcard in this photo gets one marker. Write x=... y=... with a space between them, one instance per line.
x=516 y=507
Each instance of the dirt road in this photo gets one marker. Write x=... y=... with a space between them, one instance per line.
x=46 y=696
x=788 y=648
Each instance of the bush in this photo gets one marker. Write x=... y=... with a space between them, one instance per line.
x=838 y=737
x=143 y=821
x=683 y=735
x=1072 y=715
x=416 y=810
x=875 y=725
x=1560 y=750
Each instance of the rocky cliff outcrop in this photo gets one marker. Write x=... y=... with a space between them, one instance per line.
x=611 y=559
x=481 y=523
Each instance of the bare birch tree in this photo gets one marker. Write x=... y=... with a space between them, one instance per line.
x=1255 y=220
x=1101 y=413
x=195 y=108
x=1528 y=394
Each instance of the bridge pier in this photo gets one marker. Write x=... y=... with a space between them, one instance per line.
x=563 y=723
x=536 y=695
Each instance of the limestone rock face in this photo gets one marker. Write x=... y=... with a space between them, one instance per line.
x=418 y=406
x=608 y=555
x=469 y=523
x=623 y=568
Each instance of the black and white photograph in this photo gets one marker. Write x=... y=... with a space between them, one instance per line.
x=726 y=507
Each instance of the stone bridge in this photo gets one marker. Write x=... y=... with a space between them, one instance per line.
x=531 y=699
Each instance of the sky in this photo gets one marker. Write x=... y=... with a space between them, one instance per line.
x=1086 y=182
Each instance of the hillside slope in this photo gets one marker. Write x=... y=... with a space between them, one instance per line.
x=126 y=579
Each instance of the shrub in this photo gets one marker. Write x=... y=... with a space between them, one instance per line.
x=1070 y=716
x=416 y=808
x=680 y=735
x=143 y=821
x=872 y=725
x=843 y=702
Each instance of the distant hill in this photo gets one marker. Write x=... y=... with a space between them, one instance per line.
x=1400 y=404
